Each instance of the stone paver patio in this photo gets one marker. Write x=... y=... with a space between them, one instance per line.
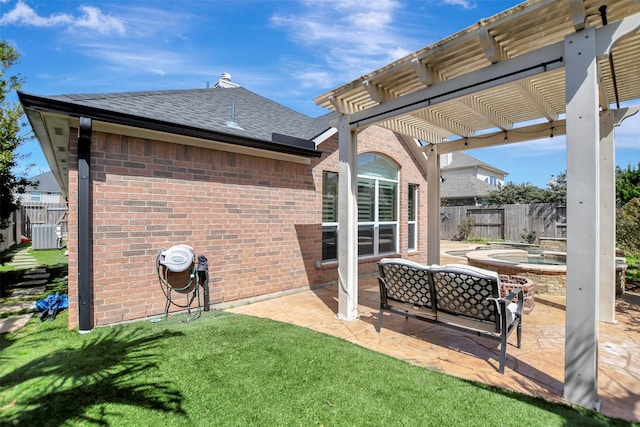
x=535 y=369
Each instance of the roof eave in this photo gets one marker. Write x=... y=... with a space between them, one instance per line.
x=55 y=105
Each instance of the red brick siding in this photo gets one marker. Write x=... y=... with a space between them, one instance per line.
x=257 y=220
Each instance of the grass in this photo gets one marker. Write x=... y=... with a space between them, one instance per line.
x=633 y=271
x=56 y=263
x=230 y=370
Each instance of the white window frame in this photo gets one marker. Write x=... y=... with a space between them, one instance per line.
x=412 y=246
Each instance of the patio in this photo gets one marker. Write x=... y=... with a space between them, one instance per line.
x=535 y=369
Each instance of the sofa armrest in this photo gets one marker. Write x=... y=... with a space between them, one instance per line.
x=512 y=309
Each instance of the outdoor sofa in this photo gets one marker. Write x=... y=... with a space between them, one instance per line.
x=458 y=296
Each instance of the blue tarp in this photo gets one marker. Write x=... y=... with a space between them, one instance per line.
x=51 y=305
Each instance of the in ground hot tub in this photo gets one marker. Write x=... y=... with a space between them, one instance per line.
x=547 y=269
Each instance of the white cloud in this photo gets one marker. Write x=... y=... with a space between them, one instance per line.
x=94 y=19
x=22 y=14
x=465 y=4
x=351 y=37
x=135 y=58
x=91 y=18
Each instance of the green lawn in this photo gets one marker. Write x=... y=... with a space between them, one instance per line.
x=633 y=272
x=232 y=370
x=57 y=267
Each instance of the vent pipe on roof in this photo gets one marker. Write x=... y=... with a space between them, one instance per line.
x=225 y=81
x=232 y=123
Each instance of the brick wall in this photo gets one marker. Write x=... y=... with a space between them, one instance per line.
x=257 y=220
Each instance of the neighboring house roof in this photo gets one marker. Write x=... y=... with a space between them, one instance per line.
x=44 y=182
x=463 y=187
x=462 y=160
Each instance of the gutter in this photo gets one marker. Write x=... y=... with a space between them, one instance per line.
x=292 y=145
x=85 y=302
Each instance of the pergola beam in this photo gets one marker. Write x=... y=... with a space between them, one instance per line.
x=426 y=75
x=375 y=93
x=578 y=14
x=526 y=65
x=521 y=134
x=492 y=50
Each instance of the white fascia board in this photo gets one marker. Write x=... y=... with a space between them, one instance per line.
x=324 y=136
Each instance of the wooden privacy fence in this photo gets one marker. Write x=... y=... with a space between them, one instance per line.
x=34 y=213
x=505 y=222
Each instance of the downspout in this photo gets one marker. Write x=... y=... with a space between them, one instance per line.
x=84 y=227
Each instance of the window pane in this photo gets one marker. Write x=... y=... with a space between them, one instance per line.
x=329 y=243
x=365 y=240
x=330 y=197
x=387 y=238
x=366 y=200
x=412 y=202
x=387 y=201
x=412 y=236
x=372 y=164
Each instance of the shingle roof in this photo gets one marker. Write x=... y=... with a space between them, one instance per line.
x=461 y=160
x=208 y=109
x=45 y=182
x=319 y=125
x=464 y=186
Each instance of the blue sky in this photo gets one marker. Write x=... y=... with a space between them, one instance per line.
x=289 y=51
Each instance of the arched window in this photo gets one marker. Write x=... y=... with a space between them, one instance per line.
x=377 y=205
x=377 y=208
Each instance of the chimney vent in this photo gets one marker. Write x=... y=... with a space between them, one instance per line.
x=225 y=81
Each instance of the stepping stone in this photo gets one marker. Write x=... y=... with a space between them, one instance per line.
x=12 y=324
x=38 y=276
x=27 y=292
x=15 y=307
x=41 y=270
x=24 y=266
x=31 y=283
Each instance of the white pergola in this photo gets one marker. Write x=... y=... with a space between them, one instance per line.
x=542 y=68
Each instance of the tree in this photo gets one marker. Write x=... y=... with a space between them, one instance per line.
x=556 y=192
x=518 y=193
x=627 y=184
x=628 y=226
x=558 y=188
x=12 y=135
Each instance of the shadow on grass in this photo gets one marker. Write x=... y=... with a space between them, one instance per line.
x=77 y=383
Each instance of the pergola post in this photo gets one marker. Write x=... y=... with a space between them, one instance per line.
x=433 y=208
x=583 y=215
x=607 y=218
x=347 y=221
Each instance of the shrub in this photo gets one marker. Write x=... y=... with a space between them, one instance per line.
x=530 y=236
x=465 y=227
x=628 y=226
